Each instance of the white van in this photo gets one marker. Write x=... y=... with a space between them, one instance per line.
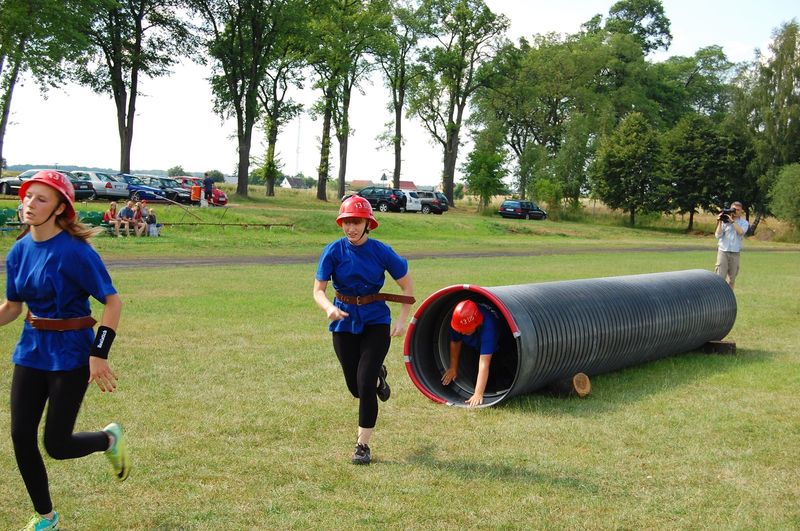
x=413 y=204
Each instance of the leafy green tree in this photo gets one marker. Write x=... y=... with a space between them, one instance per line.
x=345 y=33
x=176 y=171
x=132 y=39
x=766 y=104
x=644 y=19
x=466 y=33
x=240 y=37
x=283 y=73
x=698 y=162
x=395 y=54
x=485 y=169
x=785 y=195
x=43 y=38
x=216 y=176
x=627 y=170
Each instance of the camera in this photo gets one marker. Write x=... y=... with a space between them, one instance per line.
x=725 y=215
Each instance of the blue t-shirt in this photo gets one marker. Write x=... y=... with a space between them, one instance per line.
x=485 y=339
x=55 y=279
x=126 y=213
x=360 y=270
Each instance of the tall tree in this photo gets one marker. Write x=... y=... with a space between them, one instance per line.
x=767 y=100
x=283 y=73
x=698 y=162
x=644 y=19
x=485 y=168
x=132 y=39
x=347 y=32
x=396 y=56
x=627 y=170
x=466 y=34
x=42 y=37
x=240 y=36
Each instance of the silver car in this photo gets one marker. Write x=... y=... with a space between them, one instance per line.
x=105 y=185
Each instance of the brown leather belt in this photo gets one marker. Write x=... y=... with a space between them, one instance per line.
x=361 y=300
x=59 y=325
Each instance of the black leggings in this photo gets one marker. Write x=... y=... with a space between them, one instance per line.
x=361 y=356
x=64 y=390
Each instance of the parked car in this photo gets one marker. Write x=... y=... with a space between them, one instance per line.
x=521 y=209
x=413 y=204
x=218 y=197
x=105 y=185
x=173 y=189
x=138 y=190
x=10 y=185
x=432 y=203
x=384 y=199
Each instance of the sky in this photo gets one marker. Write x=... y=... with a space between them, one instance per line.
x=175 y=124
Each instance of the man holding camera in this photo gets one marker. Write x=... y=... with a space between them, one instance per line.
x=731 y=228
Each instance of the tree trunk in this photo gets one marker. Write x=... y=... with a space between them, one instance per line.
x=7 y=87
x=398 y=142
x=754 y=225
x=450 y=157
x=270 y=167
x=325 y=149
x=691 y=221
x=633 y=217
x=342 y=163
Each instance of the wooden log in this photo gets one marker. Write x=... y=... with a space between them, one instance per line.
x=579 y=385
x=720 y=347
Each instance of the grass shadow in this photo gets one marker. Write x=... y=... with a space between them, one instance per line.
x=466 y=470
x=616 y=389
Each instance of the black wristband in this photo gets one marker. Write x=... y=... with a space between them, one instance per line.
x=102 y=342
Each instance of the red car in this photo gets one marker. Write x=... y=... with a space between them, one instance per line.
x=218 y=197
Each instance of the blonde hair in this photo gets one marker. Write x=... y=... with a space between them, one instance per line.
x=77 y=229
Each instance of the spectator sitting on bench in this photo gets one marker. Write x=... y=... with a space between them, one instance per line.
x=138 y=220
x=111 y=217
x=153 y=227
x=126 y=216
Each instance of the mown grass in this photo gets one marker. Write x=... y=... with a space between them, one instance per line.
x=238 y=416
x=459 y=230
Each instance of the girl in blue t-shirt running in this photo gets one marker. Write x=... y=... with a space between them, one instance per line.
x=360 y=318
x=53 y=270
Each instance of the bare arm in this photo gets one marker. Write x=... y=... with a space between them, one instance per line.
x=452 y=371
x=9 y=311
x=333 y=313
x=480 y=383
x=407 y=285
x=99 y=370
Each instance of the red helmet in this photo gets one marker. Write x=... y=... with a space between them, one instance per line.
x=57 y=181
x=357 y=207
x=466 y=317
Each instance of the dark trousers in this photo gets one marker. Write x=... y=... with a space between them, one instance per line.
x=64 y=391
x=361 y=356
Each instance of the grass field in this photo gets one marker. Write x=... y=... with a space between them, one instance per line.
x=238 y=416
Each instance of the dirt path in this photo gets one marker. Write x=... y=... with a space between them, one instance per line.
x=216 y=261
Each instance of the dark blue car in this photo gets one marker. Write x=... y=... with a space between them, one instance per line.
x=138 y=190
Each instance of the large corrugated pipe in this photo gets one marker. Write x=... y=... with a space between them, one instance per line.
x=553 y=330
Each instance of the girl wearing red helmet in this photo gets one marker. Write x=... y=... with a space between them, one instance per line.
x=360 y=318
x=53 y=270
x=476 y=325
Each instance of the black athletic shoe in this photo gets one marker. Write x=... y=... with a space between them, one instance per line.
x=362 y=455
x=384 y=391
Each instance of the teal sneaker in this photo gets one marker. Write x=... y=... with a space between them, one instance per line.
x=39 y=522
x=117 y=454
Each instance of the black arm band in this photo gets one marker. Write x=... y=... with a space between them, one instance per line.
x=102 y=342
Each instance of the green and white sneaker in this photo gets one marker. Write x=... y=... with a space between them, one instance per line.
x=39 y=522
x=117 y=454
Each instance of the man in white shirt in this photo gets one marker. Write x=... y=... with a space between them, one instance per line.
x=730 y=232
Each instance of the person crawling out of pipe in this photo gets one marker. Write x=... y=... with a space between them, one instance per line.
x=477 y=325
